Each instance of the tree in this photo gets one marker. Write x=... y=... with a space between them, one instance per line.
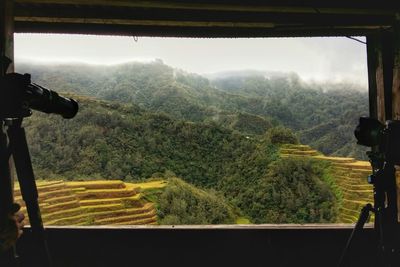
x=281 y=135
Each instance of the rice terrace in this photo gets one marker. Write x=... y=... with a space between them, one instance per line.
x=114 y=202
x=96 y=202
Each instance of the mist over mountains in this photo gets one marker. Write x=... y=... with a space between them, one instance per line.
x=245 y=73
x=250 y=102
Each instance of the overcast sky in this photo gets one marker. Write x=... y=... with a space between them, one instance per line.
x=319 y=59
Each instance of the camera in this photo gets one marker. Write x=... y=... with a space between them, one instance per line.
x=386 y=137
x=18 y=95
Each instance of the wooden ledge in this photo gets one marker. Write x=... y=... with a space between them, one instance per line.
x=214 y=227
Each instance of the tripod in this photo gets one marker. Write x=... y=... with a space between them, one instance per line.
x=18 y=97
x=13 y=143
x=383 y=179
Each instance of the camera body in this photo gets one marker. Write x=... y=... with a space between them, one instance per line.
x=386 y=137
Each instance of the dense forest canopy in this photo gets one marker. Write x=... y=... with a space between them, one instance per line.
x=322 y=115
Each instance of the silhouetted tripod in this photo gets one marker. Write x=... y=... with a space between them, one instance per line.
x=13 y=143
x=17 y=96
x=385 y=154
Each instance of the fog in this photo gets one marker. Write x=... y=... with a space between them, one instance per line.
x=325 y=59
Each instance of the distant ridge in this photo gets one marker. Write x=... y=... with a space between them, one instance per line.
x=244 y=74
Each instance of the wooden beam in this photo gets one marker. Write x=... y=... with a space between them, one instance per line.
x=150 y=22
x=190 y=32
x=32 y=15
x=29 y=12
x=186 y=23
x=332 y=7
x=190 y=18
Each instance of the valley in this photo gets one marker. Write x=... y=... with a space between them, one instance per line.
x=246 y=149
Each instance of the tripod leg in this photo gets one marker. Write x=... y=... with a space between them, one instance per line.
x=387 y=222
x=364 y=215
x=23 y=165
x=8 y=258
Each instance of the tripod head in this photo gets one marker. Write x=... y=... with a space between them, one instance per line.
x=18 y=95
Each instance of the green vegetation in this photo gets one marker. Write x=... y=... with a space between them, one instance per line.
x=346 y=177
x=182 y=203
x=226 y=139
x=114 y=141
x=323 y=116
x=291 y=191
x=281 y=135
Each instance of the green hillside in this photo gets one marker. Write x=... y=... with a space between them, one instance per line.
x=240 y=174
x=110 y=140
x=324 y=116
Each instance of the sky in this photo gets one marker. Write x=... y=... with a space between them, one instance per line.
x=325 y=59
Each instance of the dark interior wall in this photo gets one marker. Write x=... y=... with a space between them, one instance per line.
x=254 y=247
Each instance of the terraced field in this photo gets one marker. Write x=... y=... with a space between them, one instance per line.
x=95 y=202
x=349 y=175
x=118 y=203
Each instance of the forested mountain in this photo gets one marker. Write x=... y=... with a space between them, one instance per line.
x=110 y=140
x=241 y=174
x=323 y=116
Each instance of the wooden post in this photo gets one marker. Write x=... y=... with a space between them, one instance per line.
x=6 y=50
x=396 y=91
x=376 y=77
x=387 y=61
x=380 y=66
x=396 y=74
x=7 y=45
x=373 y=66
x=6 y=33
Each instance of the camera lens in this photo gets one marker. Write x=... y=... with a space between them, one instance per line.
x=48 y=101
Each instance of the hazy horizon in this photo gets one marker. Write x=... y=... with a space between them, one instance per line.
x=322 y=60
